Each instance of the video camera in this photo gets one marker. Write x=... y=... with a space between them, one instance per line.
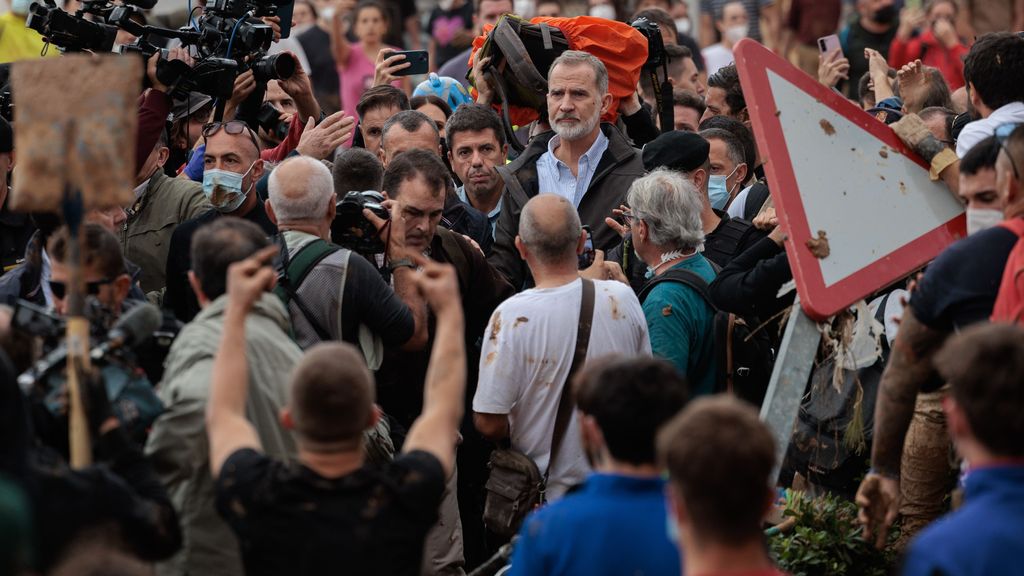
x=227 y=40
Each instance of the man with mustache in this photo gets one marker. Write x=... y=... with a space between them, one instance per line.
x=587 y=162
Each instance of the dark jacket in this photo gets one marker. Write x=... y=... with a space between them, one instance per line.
x=618 y=168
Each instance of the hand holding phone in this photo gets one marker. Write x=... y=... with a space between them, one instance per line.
x=418 y=61
x=829 y=44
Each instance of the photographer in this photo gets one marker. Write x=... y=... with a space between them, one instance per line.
x=341 y=295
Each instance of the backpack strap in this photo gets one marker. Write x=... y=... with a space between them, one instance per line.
x=291 y=274
x=700 y=286
x=756 y=198
x=579 y=356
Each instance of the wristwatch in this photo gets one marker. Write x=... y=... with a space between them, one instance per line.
x=400 y=263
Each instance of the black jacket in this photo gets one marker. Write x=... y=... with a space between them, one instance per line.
x=618 y=168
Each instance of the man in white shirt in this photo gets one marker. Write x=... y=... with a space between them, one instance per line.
x=529 y=342
x=993 y=70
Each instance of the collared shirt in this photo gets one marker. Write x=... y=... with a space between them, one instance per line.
x=492 y=216
x=980 y=129
x=555 y=177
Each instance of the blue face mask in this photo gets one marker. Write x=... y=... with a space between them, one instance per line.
x=223 y=189
x=718 y=192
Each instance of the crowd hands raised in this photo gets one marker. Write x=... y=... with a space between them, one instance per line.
x=389 y=343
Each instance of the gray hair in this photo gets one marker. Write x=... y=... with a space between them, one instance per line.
x=668 y=203
x=550 y=244
x=300 y=189
x=578 y=58
x=410 y=121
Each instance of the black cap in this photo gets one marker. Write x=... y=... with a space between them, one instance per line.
x=6 y=137
x=189 y=105
x=676 y=150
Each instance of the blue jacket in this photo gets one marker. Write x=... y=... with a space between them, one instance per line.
x=614 y=526
x=985 y=536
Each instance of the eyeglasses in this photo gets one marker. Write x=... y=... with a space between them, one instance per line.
x=233 y=127
x=59 y=289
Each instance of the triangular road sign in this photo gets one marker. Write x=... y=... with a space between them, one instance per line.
x=843 y=184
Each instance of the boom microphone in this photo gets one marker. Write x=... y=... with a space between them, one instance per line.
x=129 y=330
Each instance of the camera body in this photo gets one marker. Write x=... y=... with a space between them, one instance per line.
x=351 y=229
x=72 y=33
x=656 y=55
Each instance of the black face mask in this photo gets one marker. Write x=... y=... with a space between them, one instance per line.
x=884 y=15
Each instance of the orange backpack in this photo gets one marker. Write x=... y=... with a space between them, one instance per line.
x=1009 y=305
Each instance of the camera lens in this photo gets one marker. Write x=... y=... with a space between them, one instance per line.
x=275 y=67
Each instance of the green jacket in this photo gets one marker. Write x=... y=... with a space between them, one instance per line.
x=146 y=236
x=178 y=446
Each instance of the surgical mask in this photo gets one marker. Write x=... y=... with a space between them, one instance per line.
x=20 y=7
x=445 y=5
x=885 y=15
x=327 y=13
x=683 y=25
x=736 y=33
x=223 y=189
x=606 y=11
x=979 y=219
x=524 y=8
x=718 y=191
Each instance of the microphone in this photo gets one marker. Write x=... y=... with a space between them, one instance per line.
x=129 y=330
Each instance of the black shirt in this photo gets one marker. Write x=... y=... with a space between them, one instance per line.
x=290 y=520
x=854 y=40
x=959 y=288
x=179 y=298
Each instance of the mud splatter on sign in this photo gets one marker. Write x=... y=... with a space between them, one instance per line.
x=827 y=126
x=819 y=246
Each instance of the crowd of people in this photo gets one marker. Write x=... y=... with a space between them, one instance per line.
x=399 y=335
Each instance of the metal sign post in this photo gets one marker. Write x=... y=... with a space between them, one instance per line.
x=789 y=378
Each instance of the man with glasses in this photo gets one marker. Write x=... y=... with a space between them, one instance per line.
x=232 y=166
x=958 y=289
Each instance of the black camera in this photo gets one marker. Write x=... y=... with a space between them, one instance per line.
x=269 y=119
x=71 y=33
x=656 y=55
x=351 y=229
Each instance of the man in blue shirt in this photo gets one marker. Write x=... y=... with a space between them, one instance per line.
x=667 y=234
x=985 y=413
x=616 y=524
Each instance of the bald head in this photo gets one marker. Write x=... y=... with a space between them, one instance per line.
x=301 y=190
x=550 y=229
x=331 y=395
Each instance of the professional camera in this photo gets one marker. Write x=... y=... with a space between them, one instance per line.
x=269 y=119
x=656 y=55
x=657 y=60
x=72 y=33
x=351 y=229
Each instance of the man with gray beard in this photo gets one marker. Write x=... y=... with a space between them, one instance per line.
x=585 y=161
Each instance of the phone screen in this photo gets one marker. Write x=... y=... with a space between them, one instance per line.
x=587 y=257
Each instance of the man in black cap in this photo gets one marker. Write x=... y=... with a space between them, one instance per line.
x=15 y=227
x=724 y=237
x=188 y=116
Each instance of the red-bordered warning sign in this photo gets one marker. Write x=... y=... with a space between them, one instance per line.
x=858 y=206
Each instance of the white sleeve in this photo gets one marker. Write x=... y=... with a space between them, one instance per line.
x=969 y=137
x=635 y=314
x=498 y=386
x=739 y=203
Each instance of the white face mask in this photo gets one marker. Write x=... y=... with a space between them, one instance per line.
x=445 y=5
x=606 y=11
x=524 y=8
x=736 y=33
x=20 y=7
x=979 y=219
x=683 y=25
x=327 y=13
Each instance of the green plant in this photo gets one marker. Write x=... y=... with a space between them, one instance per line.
x=827 y=540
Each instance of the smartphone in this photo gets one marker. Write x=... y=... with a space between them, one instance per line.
x=417 y=58
x=586 y=258
x=829 y=44
x=285 y=10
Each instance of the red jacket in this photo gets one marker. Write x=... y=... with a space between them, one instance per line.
x=928 y=48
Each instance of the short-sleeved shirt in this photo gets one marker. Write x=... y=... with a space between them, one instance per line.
x=525 y=359
x=714 y=8
x=960 y=286
x=443 y=25
x=291 y=520
x=681 y=325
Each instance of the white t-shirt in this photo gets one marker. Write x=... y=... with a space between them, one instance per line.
x=716 y=56
x=526 y=355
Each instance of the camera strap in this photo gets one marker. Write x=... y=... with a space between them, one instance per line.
x=292 y=272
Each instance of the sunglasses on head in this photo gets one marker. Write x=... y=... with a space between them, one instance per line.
x=60 y=290
x=233 y=127
x=1003 y=132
